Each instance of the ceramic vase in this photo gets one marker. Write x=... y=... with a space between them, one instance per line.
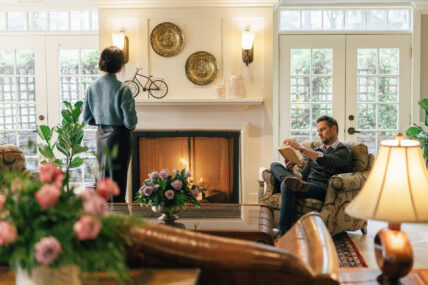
x=237 y=86
x=219 y=92
x=168 y=218
x=42 y=275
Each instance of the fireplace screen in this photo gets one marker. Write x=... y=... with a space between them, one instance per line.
x=211 y=156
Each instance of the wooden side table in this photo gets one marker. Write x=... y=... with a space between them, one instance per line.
x=368 y=276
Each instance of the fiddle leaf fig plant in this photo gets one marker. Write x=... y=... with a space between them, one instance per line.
x=68 y=140
x=420 y=133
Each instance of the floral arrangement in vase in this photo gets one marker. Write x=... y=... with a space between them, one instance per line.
x=170 y=192
x=46 y=227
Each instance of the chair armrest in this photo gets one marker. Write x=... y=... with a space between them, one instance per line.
x=346 y=182
x=310 y=239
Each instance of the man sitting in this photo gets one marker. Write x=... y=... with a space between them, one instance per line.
x=333 y=157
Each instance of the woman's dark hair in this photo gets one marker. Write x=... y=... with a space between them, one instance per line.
x=111 y=60
x=330 y=121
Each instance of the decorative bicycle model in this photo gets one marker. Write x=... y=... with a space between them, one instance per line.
x=157 y=87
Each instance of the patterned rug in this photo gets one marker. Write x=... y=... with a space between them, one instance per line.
x=347 y=252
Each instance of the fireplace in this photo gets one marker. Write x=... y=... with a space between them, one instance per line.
x=211 y=156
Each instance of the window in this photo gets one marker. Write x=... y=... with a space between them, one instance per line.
x=345 y=19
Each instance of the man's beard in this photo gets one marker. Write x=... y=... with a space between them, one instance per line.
x=326 y=140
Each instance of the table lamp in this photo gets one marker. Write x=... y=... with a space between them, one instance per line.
x=396 y=191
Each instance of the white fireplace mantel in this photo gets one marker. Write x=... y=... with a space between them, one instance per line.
x=193 y=101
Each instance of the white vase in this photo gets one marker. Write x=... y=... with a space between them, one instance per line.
x=219 y=92
x=42 y=275
x=237 y=86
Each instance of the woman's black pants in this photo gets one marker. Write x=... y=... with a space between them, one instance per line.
x=115 y=168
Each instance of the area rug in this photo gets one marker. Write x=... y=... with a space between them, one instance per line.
x=347 y=252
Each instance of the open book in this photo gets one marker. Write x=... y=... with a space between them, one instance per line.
x=291 y=154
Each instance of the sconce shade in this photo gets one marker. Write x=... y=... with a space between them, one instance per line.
x=247 y=40
x=396 y=190
x=120 y=40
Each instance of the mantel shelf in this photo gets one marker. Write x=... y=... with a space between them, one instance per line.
x=194 y=101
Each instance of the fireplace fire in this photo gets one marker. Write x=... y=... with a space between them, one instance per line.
x=212 y=157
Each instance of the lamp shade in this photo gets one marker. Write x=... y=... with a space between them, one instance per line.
x=247 y=40
x=396 y=190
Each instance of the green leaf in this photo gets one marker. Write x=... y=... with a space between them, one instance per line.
x=67 y=105
x=63 y=149
x=412 y=132
x=44 y=132
x=46 y=151
x=79 y=149
x=77 y=161
x=424 y=105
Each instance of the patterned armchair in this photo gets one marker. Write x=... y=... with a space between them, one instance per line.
x=342 y=188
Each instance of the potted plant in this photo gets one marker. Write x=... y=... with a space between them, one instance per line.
x=420 y=133
x=168 y=194
x=47 y=232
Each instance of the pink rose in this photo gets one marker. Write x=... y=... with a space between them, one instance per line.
x=50 y=173
x=195 y=192
x=177 y=184
x=47 y=250
x=8 y=233
x=95 y=205
x=47 y=196
x=87 y=227
x=187 y=174
x=169 y=194
x=107 y=188
x=2 y=200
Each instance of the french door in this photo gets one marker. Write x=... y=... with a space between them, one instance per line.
x=361 y=80
x=23 y=101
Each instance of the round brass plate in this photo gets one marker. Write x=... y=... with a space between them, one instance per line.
x=167 y=39
x=201 y=68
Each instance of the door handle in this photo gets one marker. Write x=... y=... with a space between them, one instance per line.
x=41 y=117
x=352 y=131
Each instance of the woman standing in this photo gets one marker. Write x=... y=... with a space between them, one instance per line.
x=110 y=106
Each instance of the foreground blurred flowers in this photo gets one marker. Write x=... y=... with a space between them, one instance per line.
x=41 y=224
x=168 y=191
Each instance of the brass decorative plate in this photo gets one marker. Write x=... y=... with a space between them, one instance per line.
x=201 y=68
x=167 y=39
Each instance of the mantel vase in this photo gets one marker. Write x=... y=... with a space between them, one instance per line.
x=168 y=218
x=42 y=275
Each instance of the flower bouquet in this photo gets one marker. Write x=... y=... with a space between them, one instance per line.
x=168 y=193
x=41 y=225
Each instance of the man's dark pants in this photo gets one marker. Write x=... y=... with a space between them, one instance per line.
x=316 y=190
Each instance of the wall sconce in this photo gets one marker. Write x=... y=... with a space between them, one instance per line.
x=247 y=41
x=121 y=41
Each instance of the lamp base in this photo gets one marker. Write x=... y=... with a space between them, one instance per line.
x=393 y=253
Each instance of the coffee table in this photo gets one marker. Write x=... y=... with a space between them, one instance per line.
x=228 y=220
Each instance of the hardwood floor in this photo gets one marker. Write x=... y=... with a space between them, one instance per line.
x=417 y=233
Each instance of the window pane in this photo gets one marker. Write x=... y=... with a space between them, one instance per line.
x=398 y=19
x=369 y=139
x=301 y=136
x=7 y=117
x=6 y=62
x=376 y=19
x=300 y=116
x=70 y=89
x=322 y=61
x=2 y=21
x=389 y=60
x=25 y=62
x=27 y=116
x=26 y=89
x=388 y=89
x=16 y=21
x=69 y=61
x=300 y=89
x=354 y=20
x=90 y=61
x=388 y=116
x=290 y=20
x=7 y=89
x=7 y=137
x=79 y=20
x=38 y=21
x=300 y=61
x=58 y=21
x=321 y=89
x=311 y=20
x=366 y=89
x=94 y=16
x=319 y=110
x=366 y=116
x=333 y=20
x=367 y=61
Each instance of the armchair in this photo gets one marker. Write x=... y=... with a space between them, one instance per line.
x=342 y=188
x=12 y=158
